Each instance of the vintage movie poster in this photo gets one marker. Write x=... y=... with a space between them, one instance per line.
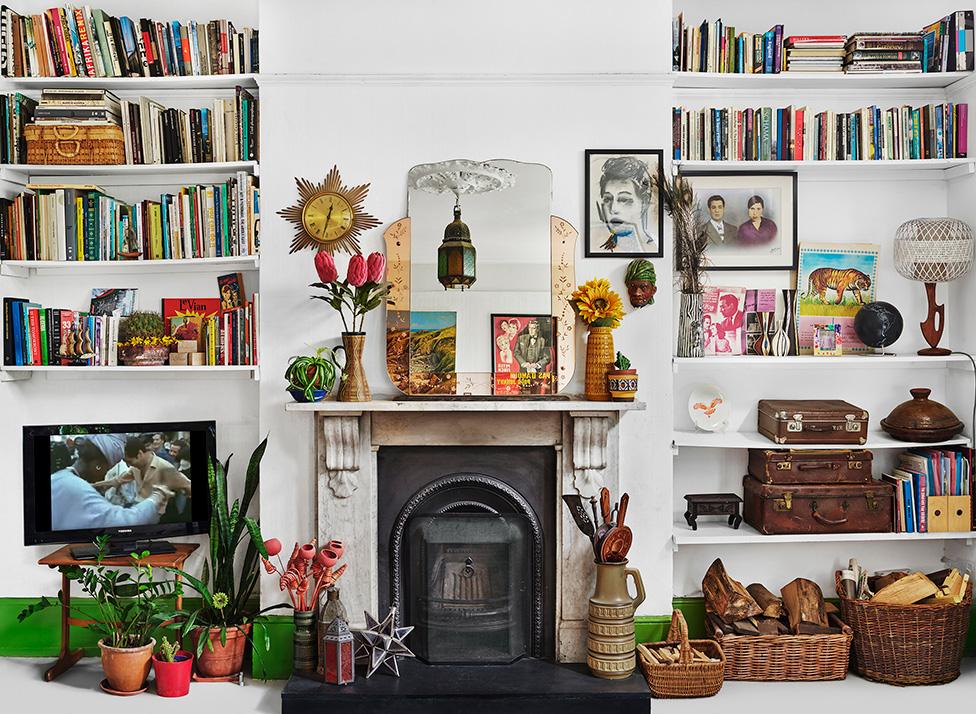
x=523 y=354
x=723 y=320
x=833 y=282
x=184 y=317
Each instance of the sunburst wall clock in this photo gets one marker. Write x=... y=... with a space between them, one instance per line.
x=329 y=216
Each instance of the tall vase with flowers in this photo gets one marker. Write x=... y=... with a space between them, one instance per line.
x=363 y=290
x=601 y=310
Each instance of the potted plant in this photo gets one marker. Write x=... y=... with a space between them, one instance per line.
x=128 y=610
x=363 y=290
x=622 y=380
x=142 y=340
x=601 y=309
x=173 y=668
x=310 y=379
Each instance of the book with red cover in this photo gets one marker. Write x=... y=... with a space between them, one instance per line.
x=184 y=317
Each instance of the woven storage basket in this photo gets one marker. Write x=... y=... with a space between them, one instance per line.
x=786 y=658
x=907 y=644
x=688 y=677
x=74 y=144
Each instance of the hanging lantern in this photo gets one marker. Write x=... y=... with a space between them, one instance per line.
x=339 y=662
x=456 y=256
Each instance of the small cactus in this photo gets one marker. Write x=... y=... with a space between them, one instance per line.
x=167 y=650
x=622 y=362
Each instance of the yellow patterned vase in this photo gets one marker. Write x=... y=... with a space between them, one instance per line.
x=599 y=362
x=610 y=641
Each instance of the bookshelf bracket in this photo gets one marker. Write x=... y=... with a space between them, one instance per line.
x=6 y=376
x=14 y=271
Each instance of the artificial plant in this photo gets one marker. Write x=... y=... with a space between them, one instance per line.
x=306 y=374
x=597 y=304
x=621 y=363
x=363 y=290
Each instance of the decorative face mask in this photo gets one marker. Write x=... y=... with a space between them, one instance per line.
x=641 y=282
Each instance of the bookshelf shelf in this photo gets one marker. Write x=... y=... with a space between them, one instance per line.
x=719 y=533
x=815 y=80
x=162 y=372
x=135 y=84
x=949 y=168
x=25 y=173
x=28 y=268
x=905 y=361
x=754 y=440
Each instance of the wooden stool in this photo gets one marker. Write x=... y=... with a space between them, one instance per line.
x=712 y=504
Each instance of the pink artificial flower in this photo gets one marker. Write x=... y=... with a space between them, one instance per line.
x=326 y=558
x=376 y=263
x=273 y=546
x=325 y=267
x=307 y=551
x=356 y=274
x=337 y=547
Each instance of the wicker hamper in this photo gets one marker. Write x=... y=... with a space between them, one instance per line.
x=786 y=658
x=907 y=644
x=688 y=677
x=74 y=144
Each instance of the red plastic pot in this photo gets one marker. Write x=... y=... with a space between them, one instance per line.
x=173 y=678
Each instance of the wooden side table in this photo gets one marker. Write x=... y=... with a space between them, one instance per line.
x=712 y=504
x=62 y=558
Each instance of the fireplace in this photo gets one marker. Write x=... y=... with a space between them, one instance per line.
x=467 y=556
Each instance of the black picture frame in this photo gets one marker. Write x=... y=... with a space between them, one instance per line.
x=594 y=244
x=794 y=252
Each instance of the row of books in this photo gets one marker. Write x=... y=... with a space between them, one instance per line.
x=80 y=222
x=16 y=112
x=714 y=46
x=933 y=490
x=933 y=131
x=87 y=42
x=225 y=328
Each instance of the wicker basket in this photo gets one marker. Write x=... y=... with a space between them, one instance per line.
x=74 y=144
x=688 y=677
x=786 y=658
x=907 y=644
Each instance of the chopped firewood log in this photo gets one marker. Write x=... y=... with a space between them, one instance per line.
x=771 y=605
x=804 y=604
x=726 y=597
x=939 y=576
x=809 y=628
x=953 y=588
x=770 y=626
x=745 y=627
x=906 y=591
x=831 y=609
x=879 y=582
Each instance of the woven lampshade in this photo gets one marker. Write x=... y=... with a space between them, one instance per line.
x=933 y=250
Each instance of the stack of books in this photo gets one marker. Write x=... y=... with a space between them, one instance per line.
x=74 y=106
x=889 y=52
x=16 y=112
x=86 y=42
x=815 y=53
x=716 y=47
x=43 y=336
x=933 y=490
x=947 y=44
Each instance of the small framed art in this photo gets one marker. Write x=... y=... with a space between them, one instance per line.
x=623 y=214
x=523 y=354
x=750 y=218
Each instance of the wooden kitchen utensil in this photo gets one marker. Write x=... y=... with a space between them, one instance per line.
x=579 y=514
x=616 y=544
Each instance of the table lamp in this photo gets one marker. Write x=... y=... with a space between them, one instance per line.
x=933 y=250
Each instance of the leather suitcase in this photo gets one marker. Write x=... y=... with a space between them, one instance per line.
x=793 y=466
x=812 y=421
x=775 y=509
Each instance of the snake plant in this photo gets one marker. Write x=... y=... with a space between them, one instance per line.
x=307 y=374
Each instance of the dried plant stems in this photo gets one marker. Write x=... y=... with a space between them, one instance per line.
x=690 y=240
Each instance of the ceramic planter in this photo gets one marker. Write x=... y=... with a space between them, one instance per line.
x=304 y=641
x=126 y=668
x=173 y=678
x=299 y=396
x=144 y=356
x=690 y=325
x=224 y=660
x=353 y=386
x=599 y=362
x=622 y=384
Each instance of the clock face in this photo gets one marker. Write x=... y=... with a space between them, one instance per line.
x=327 y=217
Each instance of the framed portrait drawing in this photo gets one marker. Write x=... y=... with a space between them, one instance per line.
x=623 y=214
x=750 y=218
x=523 y=354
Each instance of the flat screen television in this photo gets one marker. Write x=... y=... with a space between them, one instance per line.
x=134 y=482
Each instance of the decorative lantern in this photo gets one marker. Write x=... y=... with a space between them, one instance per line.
x=456 y=256
x=339 y=661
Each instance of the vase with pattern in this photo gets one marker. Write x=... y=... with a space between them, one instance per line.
x=690 y=325
x=599 y=363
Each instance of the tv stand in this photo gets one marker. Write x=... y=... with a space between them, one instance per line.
x=122 y=548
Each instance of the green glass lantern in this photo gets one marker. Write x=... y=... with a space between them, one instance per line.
x=456 y=256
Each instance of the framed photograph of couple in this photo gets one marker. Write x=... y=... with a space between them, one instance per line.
x=523 y=354
x=750 y=218
x=623 y=214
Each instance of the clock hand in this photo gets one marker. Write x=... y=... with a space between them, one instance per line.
x=328 y=217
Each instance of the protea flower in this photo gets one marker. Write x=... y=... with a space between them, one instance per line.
x=376 y=265
x=358 y=272
x=325 y=266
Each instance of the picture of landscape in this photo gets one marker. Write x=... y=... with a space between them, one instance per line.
x=433 y=348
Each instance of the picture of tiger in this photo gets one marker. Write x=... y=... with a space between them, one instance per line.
x=823 y=279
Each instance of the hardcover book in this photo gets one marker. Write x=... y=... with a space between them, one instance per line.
x=184 y=317
x=118 y=302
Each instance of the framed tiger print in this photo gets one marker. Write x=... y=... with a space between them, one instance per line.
x=833 y=282
x=749 y=218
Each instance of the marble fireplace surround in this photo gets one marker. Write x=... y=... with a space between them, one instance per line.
x=348 y=435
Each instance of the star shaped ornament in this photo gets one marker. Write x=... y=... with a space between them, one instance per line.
x=382 y=643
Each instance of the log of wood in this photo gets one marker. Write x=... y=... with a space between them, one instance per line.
x=771 y=605
x=879 y=582
x=745 y=627
x=907 y=590
x=831 y=609
x=771 y=626
x=804 y=604
x=939 y=576
x=726 y=597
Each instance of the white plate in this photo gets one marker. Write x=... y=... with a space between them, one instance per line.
x=709 y=408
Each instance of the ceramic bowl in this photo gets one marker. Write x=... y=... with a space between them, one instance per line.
x=708 y=407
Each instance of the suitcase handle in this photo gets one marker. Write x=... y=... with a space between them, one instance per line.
x=820 y=518
x=832 y=466
x=817 y=427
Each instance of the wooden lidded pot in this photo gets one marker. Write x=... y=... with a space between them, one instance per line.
x=921 y=419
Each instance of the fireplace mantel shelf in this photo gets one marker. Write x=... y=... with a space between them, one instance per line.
x=463 y=405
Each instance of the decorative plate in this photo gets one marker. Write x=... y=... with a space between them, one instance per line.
x=708 y=407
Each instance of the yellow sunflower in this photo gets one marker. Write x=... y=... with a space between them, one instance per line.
x=597 y=304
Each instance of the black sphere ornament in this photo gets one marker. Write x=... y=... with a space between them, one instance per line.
x=878 y=324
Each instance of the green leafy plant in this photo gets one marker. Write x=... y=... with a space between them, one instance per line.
x=144 y=324
x=129 y=608
x=167 y=650
x=622 y=362
x=307 y=374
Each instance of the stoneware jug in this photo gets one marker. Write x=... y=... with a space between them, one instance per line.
x=352 y=384
x=610 y=640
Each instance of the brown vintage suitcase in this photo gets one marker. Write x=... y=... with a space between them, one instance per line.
x=810 y=465
x=812 y=421
x=775 y=509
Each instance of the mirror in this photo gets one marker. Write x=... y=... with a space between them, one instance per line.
x=496 y=335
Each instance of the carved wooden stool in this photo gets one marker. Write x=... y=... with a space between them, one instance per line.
x=712 y=504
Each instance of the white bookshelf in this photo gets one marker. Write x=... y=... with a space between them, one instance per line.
x=802 y=81
x=252 y=372
x=29 y=268
x=25 y=173
x=754 y=440
x=145 y=85
x=939 y=168
x=893 y=361
x=715 y=531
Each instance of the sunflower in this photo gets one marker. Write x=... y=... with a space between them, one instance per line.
x=597 y=304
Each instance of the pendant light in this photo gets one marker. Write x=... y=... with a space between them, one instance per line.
x=457 y=256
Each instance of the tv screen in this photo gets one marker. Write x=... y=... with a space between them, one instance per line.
x=133 y=481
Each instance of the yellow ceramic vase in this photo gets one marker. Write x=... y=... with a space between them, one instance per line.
x=599 y=362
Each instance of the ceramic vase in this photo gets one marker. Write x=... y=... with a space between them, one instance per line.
x=690 y=325
x=599 y=363
x=304 y=641
x=765 y=321
x=610 y=639
x=352 y=384
x=144 y=356
x=788 y=326
x=330 y=610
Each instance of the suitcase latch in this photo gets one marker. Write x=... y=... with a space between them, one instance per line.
x=785 y=503
x=852 y=426
x=854 y=465
x=795 y=425
x=783 y=466
x=873 y=504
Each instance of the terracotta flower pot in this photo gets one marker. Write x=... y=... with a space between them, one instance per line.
x=144 y=356
x=622 y=384
x=224 y=660
x=173 y=678
x=126 y=668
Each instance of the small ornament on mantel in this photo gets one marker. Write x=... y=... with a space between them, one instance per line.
x=339 y=666
x=382 y=643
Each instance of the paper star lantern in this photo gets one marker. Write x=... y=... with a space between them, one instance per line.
x=382 y=643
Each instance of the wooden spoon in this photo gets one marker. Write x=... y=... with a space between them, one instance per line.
x=616 y=543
